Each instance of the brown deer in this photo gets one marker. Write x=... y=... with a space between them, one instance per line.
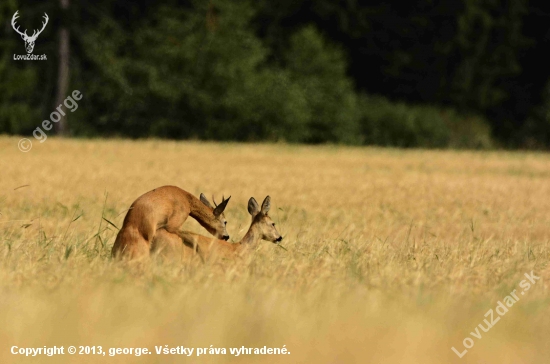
x=169 y=245
x=165 y=208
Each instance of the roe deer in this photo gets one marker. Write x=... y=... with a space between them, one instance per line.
x=165 y=208
x=167 y=244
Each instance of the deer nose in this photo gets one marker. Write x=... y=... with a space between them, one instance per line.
x=225 y=237
x=279 y=239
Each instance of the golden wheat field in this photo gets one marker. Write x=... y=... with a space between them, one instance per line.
x=389 y=256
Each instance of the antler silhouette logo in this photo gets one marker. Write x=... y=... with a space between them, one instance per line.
x=29 y=40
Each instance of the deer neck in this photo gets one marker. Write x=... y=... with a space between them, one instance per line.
x=199 y=212
x=202 y=216
x=252 y=236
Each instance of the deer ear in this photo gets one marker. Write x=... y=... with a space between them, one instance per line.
x=266 y=205
x=219 y=209
x=205 y=201
x=253 y=207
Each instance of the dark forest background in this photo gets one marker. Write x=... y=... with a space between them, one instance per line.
x=449 y=73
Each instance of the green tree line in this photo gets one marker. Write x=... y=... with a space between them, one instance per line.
x=453 y=73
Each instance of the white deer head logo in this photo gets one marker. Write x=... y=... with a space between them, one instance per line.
x=29 y=41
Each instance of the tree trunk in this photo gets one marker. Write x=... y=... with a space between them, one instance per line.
x=61 y=127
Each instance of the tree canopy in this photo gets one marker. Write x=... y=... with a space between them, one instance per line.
x=452 y=73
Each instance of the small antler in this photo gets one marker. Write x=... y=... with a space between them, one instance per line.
x=13 y=24
x=215 y=204
x=35 y=34
x=214 y=200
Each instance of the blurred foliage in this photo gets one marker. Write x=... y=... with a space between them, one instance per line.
x=536 y=133
x=210 y=79
x=17 y=80
x=398 y=124
x=456 y=73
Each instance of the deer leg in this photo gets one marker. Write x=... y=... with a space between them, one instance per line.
x=170 y=243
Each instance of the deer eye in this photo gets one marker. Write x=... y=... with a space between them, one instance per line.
x=273 y=224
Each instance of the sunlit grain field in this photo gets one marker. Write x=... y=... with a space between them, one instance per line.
x=389 y=256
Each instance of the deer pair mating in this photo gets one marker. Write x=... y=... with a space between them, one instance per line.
x=155 y=219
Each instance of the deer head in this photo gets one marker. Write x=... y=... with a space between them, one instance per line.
x=29 y=40
x=261 y=220
x=217 y=226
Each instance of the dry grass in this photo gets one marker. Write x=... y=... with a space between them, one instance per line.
x=392 y=256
